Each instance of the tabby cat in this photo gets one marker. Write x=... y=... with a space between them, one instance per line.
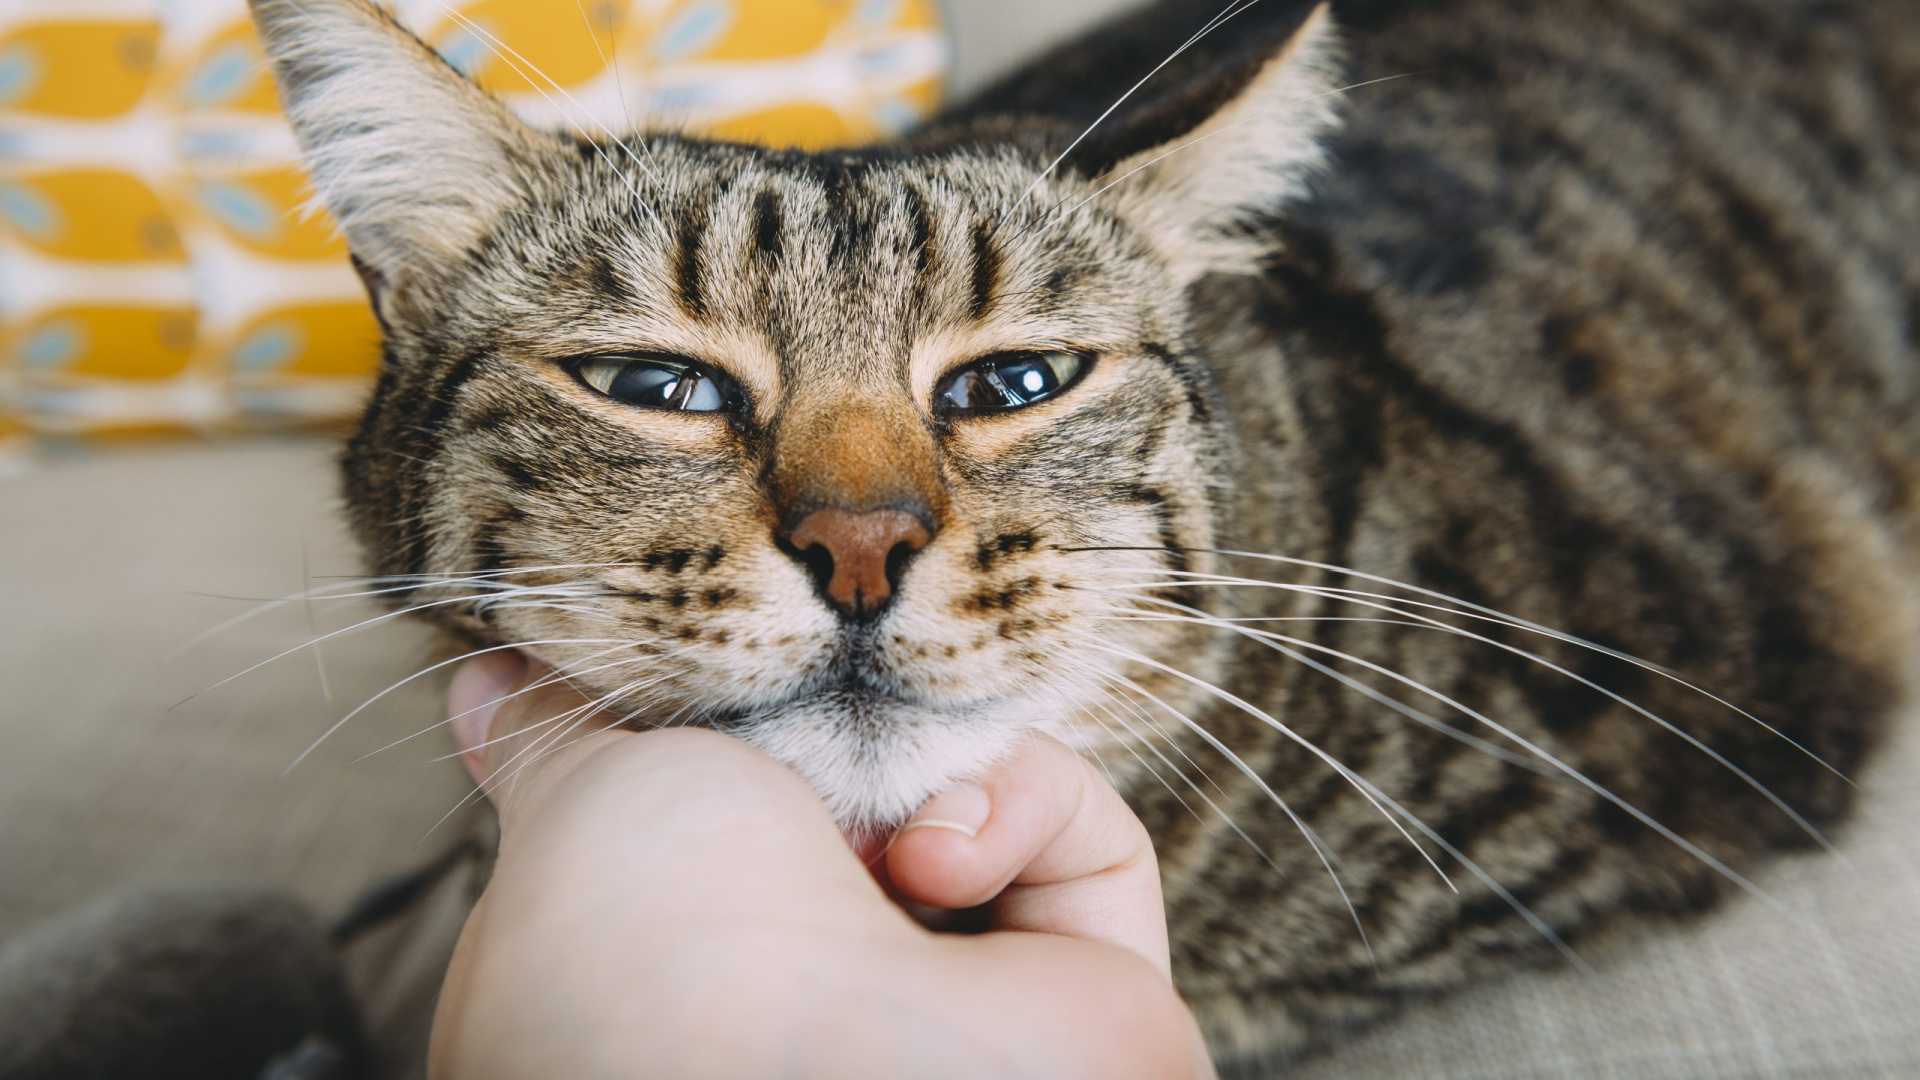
x=1453 y=461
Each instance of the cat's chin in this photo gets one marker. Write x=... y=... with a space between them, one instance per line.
x=874 y=759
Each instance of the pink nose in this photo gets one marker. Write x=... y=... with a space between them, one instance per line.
x=862 y=545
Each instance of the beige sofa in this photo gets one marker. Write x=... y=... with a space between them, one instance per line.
x=118 y=764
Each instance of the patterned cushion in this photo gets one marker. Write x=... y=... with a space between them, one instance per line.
x=156 y=270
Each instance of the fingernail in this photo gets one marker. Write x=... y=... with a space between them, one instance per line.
x=963 y=808
x=479 y=688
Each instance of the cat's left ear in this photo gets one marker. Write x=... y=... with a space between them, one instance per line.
x=1196 y=192
x=416 y=163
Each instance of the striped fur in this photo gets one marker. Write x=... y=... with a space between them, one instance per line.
x=1603 y=316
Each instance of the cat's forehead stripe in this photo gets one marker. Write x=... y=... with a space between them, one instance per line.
x=767 y=224
x=986 y=269
x=690 y=237
x=923 y=249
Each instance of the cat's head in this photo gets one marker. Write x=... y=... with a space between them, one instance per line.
x=855 y=454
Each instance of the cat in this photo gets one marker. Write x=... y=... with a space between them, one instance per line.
x=200 y=980
x=1453 y=462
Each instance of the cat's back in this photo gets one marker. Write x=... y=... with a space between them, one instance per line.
x=1686 y=228
x=1676 y=235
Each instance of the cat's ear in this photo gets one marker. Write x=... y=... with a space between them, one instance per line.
x=415 y=161
x=1222 y=161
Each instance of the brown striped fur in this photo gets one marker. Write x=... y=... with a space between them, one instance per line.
x=1603 y=316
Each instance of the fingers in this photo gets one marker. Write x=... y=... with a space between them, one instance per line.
x=541 y=752
x=1042 y=836
x=1049 y=842
x=649 y=883
x=647 y=886
x=480 y=688
x=656 y=888
x=508 y=712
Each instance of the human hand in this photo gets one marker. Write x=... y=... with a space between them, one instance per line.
x=676 y=903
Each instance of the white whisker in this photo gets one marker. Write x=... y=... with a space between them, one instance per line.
x=1224 y=817
x=1313 y=841
x=501 y=50
x=1213 y=24
x=488 y=783
x=598 y=703
x=319 y=661
x=423 y=672
x=361 y=625
x=1392 y=703
x=1576 y=775
x=1474 y=868
x=1057 y=214
x=1492 y=614
x=1366 y=790
x=610 y=59
x=1666 y=725
x=408 y=583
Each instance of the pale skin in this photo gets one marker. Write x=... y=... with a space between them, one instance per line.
x=675 y=903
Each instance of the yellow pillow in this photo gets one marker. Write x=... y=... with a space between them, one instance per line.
x=155 y=269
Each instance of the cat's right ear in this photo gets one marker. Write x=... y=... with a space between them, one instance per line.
x=415 y=162
x=1198 y=172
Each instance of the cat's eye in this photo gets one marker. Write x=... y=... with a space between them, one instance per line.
x=657 y=382
x=1010 y=381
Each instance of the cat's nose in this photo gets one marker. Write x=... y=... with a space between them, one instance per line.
x=858 y=555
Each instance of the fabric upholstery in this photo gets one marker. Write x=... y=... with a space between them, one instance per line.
x=156 y=268
x=107 y=566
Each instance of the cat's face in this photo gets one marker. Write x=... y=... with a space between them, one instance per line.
x=845 y=453
x=788 y=340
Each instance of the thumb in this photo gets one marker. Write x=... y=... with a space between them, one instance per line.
x=1049 y=842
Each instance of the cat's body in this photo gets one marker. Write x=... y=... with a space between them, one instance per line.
x=1605 y=316
x=1602 y=316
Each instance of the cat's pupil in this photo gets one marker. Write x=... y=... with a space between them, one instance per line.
x=1011 y=381
x=1025 y=383
x=646 y=385
x=654 y=384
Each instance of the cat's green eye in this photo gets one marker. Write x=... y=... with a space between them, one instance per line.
x=1010 y=381
x=656 y=382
